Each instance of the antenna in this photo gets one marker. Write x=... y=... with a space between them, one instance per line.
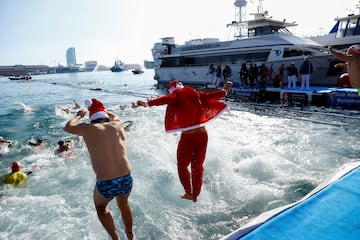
x=240 y=18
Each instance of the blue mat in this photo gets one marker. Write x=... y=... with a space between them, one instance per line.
x=332 y=213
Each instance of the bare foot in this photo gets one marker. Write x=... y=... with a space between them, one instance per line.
x=187 y=196
x=130 y=236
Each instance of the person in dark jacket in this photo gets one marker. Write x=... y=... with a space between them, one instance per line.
x=305 y=70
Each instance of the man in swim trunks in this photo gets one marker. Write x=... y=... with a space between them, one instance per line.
x=189 y=111
x=105 y=140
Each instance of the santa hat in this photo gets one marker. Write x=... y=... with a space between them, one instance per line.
x=174 y=84
x=354 y=50
x=96 y=109
x=15 y=166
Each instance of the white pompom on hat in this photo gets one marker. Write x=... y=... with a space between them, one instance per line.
x=96 y=109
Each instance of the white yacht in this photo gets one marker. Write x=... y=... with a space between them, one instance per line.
x=344 y=33
x=258 y=41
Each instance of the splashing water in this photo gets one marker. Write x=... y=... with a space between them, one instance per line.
x=258 y=158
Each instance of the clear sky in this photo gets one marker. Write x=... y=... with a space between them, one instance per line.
x=40 y=31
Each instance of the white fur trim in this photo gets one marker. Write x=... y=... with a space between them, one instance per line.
x=98 y=115
x=171 y=90
x=179 y=85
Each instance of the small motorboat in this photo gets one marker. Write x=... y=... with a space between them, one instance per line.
x=22 y=77
x=137 y=71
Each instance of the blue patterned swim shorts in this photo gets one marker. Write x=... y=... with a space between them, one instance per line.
x=115 y=187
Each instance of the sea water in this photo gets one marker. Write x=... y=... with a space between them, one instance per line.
x=259 y=157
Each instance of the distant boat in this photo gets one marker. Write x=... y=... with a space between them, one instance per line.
x=22 y=77
x=343 y=34
x=137 y=71
x=118 y=66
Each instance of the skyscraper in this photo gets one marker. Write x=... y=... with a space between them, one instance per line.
x=70 y=56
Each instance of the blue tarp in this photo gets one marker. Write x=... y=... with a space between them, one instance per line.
x=332 y=214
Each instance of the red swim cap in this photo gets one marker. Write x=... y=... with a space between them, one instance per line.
x=354 y=50
x=15 y=166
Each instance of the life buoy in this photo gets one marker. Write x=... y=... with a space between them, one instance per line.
x=344 y=80
x=286 y=96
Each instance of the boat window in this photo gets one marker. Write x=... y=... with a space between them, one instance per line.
x=357 y=27
x=172 y=62
x=291 y=52
x=352 y=27
x=342 y=29
x=208 y=59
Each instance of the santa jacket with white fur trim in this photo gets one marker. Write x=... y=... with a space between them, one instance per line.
x=188 y=109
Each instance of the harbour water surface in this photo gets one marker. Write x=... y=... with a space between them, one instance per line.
x=259 y=157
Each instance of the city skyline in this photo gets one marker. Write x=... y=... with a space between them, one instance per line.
x=106 y=31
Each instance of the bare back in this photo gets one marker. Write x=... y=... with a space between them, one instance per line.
x=106 y=144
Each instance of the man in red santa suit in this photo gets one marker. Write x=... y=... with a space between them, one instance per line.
x=188 y=111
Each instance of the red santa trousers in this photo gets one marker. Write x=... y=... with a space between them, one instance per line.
x=192 y=150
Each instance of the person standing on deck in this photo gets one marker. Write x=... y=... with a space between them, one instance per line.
x=305 y=70
x=188 y=111
x=218 y=74
x=211 y=73
x=292 y=74
x=105 y=140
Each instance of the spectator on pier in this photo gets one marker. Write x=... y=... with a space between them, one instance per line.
x=264 y=73
x=282 y=70
x=305 y=70
x=211 y=73
x=227 y=73
x=253 y=74
x=218 y=74
x=244 y=73
x=292 y=74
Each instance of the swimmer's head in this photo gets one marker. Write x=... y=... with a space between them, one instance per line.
x=354 y=50
x=39 y=141
x=15 y=166
x=61 y=143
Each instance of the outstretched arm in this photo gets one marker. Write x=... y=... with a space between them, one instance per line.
x=340 y=55
x=162 y=100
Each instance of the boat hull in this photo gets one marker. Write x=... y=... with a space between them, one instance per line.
x=190 y=64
